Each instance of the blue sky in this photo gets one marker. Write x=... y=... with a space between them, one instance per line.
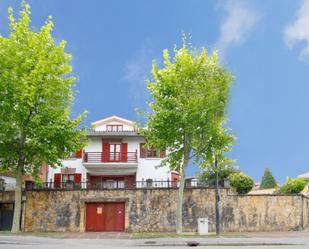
x=264 y=43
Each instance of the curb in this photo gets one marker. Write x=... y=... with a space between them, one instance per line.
x=196 y=243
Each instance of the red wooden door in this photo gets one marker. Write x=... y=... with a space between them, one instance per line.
x=105 y=216
x=110 y=217
x=94 y=218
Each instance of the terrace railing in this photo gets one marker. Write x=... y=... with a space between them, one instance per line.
x=101 y=157
x=114 y=185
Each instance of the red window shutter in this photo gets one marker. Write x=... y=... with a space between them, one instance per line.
x=162 y=153
x=105 y=153
x=142 y=151
x=77 y=178
x=57 y=180
x=124 y=152
x=79 y=154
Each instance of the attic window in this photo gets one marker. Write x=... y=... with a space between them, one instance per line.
x=114 y=127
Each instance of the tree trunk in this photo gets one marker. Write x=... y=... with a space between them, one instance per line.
x=18 y=196
x=183 y=170
x=217 y=199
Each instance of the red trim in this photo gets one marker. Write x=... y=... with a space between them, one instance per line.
x=124 y=152
x=105 y=152
x=57 y=180
x=79 y=154
x=142 y=151
x=77 y=178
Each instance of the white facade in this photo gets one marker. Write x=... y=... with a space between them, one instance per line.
x=9 y=180
x=123 y=132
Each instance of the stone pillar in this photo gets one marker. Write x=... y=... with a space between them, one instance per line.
x=82 y=224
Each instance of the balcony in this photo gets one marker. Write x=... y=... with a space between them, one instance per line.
x=113 y=163
x=112 y=157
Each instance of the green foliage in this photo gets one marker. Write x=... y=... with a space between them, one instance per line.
x=190 y=96
x=293 y=186
x=208 y=175
x=241 y=183
x=268 y=180
x=35 y=98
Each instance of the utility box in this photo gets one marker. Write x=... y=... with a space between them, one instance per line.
x=202 y=226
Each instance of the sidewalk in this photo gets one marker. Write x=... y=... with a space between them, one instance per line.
x=80 y=240
x=232 y=239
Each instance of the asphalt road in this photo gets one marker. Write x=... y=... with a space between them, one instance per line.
x=32 y=242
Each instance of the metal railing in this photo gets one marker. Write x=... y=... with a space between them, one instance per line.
x=114 y=185
x=101 y=157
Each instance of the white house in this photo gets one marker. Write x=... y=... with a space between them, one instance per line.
x=114 y=157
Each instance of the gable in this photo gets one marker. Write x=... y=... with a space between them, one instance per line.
x=102 y=125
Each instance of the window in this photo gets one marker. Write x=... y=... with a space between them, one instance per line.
x=114 y=152
x=151 y=152
x=114 y=127
x=67 y=178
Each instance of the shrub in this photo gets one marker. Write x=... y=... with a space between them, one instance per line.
x=241 y=183
x=293 y=186
x=268 y=180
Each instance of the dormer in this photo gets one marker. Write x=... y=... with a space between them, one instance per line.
x=113 y=124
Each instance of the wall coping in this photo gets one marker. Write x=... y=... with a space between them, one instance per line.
x=104 y=199
x=123 y=189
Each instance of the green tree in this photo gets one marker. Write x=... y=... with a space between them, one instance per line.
x=35 y=102
x=268 y=180
x=241 y=183
x=190 y=95
x=208 y=174
x=293 y=186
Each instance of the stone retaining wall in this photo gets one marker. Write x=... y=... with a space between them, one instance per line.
x=153 y=210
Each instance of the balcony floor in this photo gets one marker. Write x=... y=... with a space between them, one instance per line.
x=112 y=168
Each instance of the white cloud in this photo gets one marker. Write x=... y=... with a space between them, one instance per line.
x=240 y=20
x=137 y=71
x=298 y=31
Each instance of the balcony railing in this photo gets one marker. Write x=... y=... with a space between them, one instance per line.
x=101 y=157
x=115 y=185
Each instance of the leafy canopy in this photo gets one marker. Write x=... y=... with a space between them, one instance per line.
x=35 y=98
x=293 y=186
x=241 y=183
x=268 y=180
x=190 y=95
x=208 y=175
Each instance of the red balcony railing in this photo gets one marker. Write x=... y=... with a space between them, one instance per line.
x=102 y=157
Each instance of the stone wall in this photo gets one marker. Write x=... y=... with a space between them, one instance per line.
x=154 y=210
